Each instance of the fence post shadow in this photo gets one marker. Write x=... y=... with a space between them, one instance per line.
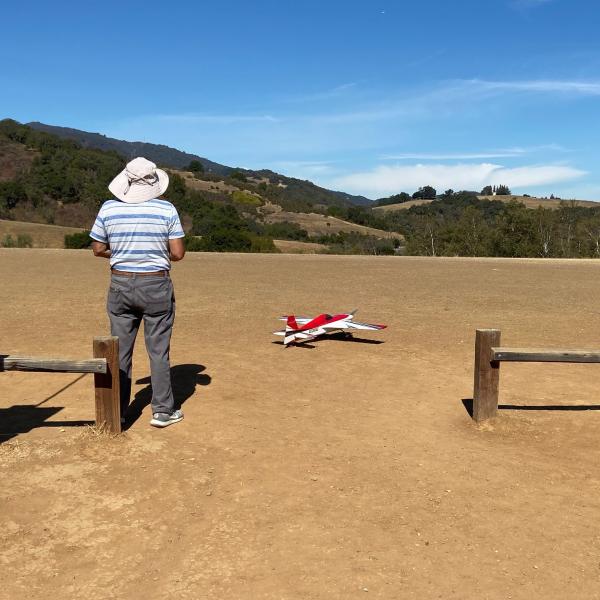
x=468 y=404
x=22 y=418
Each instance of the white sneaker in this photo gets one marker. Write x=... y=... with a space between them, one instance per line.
x=166 y=419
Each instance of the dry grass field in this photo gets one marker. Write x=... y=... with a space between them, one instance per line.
x=43 y=236
x=317 y=224
x=294 y=247
x=401 y=206
x=346 y=469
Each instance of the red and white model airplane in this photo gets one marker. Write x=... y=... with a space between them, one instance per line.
x=305 y=329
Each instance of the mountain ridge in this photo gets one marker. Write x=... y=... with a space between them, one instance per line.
x=168 y=156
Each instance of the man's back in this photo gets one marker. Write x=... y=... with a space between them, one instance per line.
x=138 y=234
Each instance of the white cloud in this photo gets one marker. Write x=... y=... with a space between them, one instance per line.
x=387 y=180
x=501 y=153
x=586 y=88
x=450 y=156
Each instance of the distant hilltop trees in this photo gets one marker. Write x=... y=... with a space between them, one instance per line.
x=428 y=192
x=425 y=193
x=496 y=190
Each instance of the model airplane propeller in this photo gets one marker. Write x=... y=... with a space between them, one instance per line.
x=305 y=329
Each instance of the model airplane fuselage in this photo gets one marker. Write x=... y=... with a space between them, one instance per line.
x=305 y=329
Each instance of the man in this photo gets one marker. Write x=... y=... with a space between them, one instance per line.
x=141 y=235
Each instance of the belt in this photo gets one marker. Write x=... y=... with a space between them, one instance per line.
x=145 y=274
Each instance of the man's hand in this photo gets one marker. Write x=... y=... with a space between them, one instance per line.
x=100 y=249
x=176 y=249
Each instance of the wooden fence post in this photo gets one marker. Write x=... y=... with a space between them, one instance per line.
x=108 y=398
x=487 y=375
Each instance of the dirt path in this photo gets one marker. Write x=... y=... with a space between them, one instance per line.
x=349 y=470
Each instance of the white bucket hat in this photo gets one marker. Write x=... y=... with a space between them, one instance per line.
x=139 y=181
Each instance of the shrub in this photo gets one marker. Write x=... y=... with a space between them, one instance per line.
x=286 y=230
x=193 y=243
x=238 y=175
x=245 y=198
x=24 y=240
x=77 y=241
x=226 y=240
x=196 y=166
x=8 y=242
x=262 y=244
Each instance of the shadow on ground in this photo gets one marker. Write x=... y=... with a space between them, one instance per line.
x=331 y=337
x=184 y=380
x=468 y=404
x=22 y=418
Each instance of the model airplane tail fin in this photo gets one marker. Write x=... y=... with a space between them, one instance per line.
x=291 y=322
x=291 y=328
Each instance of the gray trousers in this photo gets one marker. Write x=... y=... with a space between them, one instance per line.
x=151 y=298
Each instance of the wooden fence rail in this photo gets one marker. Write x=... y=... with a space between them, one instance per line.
x=58 y=365
x=104 y=366
x=488 y=356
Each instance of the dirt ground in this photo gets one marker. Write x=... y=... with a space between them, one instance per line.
x=342 y=470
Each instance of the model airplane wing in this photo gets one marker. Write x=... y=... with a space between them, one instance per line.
x=364 y=326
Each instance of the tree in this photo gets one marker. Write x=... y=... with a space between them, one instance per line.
x=515 y=232
x=196 y=166
x=395 y=199
x=78 y=240
x=226 y=240
x=12 y=192
x=470 y=235
x=503 y=190
x=238 y=175
x=487 y=191
x=425 y=193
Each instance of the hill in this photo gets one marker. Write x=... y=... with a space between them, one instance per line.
x=158 y=153
x=14 y=158
x=47 y=179
x=304 y=193
x=527 y=201
x=316 y=224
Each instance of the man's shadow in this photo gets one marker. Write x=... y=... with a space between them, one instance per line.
x=184 y=379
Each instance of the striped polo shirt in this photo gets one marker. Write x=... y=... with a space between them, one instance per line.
x=138 y=234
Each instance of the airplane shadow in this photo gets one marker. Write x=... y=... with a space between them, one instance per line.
x=332 y=337
x=468 y=404
x=184 y=379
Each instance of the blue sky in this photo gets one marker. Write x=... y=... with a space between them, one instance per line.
x=372 y=98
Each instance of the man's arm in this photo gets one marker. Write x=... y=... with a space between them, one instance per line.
x=176 y=249
x=101 y=250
